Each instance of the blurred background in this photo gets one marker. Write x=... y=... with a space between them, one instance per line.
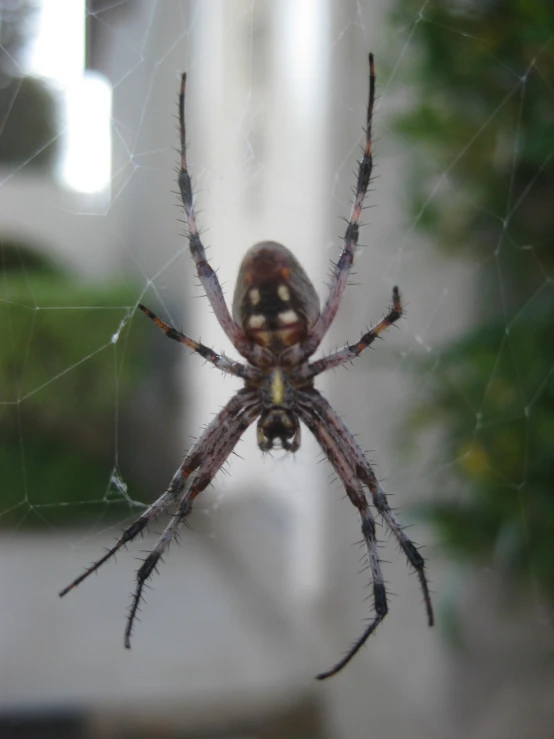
x=456 y=406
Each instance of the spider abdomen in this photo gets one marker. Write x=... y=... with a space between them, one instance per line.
x=275 y=304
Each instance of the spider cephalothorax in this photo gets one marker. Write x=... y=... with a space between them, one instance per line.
x=276 y=326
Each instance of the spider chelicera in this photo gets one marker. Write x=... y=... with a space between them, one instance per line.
x=276 y=325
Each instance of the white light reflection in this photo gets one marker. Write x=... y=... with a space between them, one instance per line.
x=58 y=54
x=305 y=24
x=86 y=164
x=58 y=51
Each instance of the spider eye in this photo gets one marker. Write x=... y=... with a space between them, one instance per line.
x=275 y=303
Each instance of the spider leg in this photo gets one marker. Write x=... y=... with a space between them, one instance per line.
x=355 y=492
x=219 y=360
x=351 y=352
x=151 y=561
x=350 y=447
x=341 y=269
x=192 y=461
x=206 y=273
x=212 y=458
x=128 y=535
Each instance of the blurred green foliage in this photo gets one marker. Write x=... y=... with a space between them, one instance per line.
x=481 y=121
x=62 y=381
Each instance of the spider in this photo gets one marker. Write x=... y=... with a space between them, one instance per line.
x=276 y=325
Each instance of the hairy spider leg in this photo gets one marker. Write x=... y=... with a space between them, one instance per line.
x=354 y=350
x=352 y=485
x=221 y=447
x=193 y=460
x=206 y=273
x=222 y=362
x=358 y=461
x=341 y=270
x=127 y=536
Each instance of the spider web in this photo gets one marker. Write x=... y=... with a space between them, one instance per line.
x=95 y=400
